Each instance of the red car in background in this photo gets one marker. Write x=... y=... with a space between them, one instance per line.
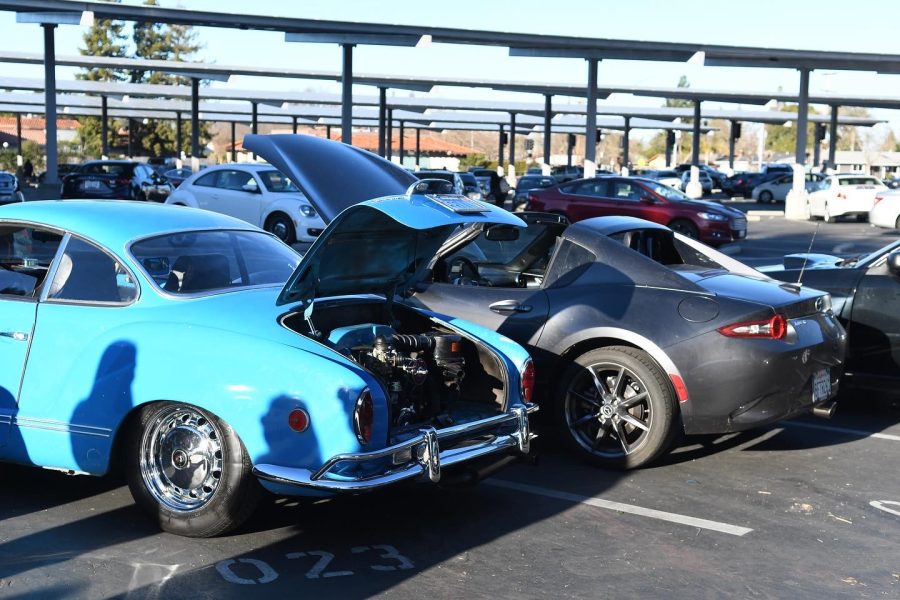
x=708 y=222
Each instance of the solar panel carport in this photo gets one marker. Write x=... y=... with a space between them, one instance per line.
x=49 y=13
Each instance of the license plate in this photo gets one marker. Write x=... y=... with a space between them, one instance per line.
x=92 y=184
x=821 y=388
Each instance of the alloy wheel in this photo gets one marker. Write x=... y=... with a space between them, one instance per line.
x=608 y=410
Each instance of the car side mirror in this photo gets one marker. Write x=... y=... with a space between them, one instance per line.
x=893 y=263
x=250 y=187
x=502 y=233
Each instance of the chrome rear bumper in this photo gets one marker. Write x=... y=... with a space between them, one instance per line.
x=425 y=457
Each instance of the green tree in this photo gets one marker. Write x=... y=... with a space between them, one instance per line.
x=781 y=139
x=155 y=41
x=473 y=160
x=105 y=38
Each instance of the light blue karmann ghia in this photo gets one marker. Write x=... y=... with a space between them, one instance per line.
x=208 y=358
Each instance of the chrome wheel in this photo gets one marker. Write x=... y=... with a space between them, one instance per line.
x=608 y=410
x=181 y=458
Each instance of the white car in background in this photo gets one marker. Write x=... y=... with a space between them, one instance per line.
x=669 y=178
x=886 y=210
x=257 y=193
x=776 y=190
x=844 y=195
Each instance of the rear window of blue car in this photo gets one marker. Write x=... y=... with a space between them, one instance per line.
x=199 y=262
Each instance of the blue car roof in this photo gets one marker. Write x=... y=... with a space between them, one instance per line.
x=114 y=223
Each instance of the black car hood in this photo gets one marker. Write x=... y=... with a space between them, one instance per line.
x=333 y=176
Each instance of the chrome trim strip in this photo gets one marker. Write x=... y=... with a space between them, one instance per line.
x=52 y=425
x=426 y=458
x=18 y=336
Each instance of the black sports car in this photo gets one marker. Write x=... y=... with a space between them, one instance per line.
x=865 y=293
x=637 y=331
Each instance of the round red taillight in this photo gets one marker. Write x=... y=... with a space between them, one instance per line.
x=528 y=381
x=778 y=326
x=298 y=420
x=364 y=416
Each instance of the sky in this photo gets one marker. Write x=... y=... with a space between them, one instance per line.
x=863 y=26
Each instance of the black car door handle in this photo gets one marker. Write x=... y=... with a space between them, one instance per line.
x=505 y=307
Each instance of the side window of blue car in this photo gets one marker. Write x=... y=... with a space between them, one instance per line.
x=88 y=274
x=25 y=257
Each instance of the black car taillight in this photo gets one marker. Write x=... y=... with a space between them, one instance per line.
x=774 y=328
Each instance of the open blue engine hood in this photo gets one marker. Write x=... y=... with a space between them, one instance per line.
x=379 y=246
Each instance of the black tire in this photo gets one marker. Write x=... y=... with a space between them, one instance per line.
x=897 y=223
x=280 y=225
x=635 y=388
x=765 y=197
x=685 y=227
x=157 y=461
x=862 y=218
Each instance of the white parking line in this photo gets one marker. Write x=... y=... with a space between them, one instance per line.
x=857 y=432
x=625 y=508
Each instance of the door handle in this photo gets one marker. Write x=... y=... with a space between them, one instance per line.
x=505 y=307
x=19 y=336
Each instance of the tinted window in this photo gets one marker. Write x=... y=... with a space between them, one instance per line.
x=570 y=262
x=595 y=188
x=235 y=180
x=625 y=190
x=208 y=180
x=504 y=252
x=196 y=262
x=107 y=168
x=858 y=181
x=87 y=274
x=25 y=257
x=275 y=181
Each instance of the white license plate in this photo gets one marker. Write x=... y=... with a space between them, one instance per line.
x=821 y=388
x=92 y=184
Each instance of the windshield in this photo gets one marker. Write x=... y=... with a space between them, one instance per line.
x=275 y=181
x=198 y=262
x=665 y=191
x=468 y=179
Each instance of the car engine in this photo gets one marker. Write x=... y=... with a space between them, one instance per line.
x=421 y=373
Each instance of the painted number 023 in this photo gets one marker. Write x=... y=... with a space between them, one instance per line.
x=250 y=571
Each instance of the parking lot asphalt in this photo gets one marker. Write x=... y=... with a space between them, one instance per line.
x=804 y=509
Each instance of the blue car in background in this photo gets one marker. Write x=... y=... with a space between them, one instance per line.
x=204 y=354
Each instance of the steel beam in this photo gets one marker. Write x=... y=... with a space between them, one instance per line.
x=400 y=151
x=832 y=136
x=195 y=117
x=512 y=143
x=626 y=142
x=695 y=141
x=233 y=143
x=590 y=126
x=548 y=117
x=731 y=139
x=382 y=115
x=50 y=103
x=802 y=117
x=418 y=146
x=179 y=138
x=104 y=127
x=347 y=95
